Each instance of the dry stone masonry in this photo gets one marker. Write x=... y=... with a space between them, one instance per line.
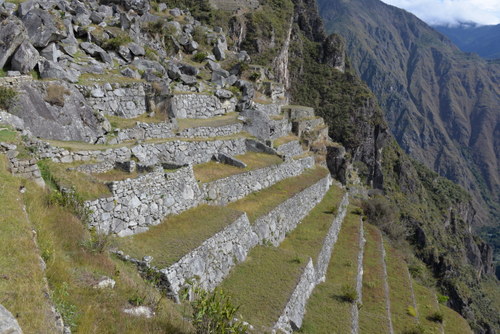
x=199 y=106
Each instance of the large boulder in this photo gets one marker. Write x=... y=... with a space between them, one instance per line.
x=25 y=58
x=50 y=70
x=12 y=34
x=43 y=28
x=8 y=324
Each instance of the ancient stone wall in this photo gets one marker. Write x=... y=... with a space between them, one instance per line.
x=144 y=201
x=15 y=82
x=199 y=106
x=144 y=131
x=232 y=188
x=207 y=132
x=124 y=100
x=291 y=149
x=274 y=226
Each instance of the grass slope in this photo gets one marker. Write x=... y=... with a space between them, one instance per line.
x=373 y=314
x=21 y=277
x=427 y=305
x=326 y=312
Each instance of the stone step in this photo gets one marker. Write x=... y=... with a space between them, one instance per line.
x=327 y=312
x=288 y=146
x=297 y=112
x=211 y=257
x=273 y=284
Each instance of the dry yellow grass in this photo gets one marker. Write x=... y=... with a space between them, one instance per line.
x=227 y=119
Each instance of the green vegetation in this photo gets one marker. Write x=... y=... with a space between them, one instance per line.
x=7 y=96
x=427 y=305
x=73 y=270
x=200 y=57
x=453 y=322
x=326 y=311
x=402 y=311
x=84 y=185
x=115 y=42
x=373 y=314
x=212 y=171
x=8 y=135
x=178 y=234
x=259 y=203
x=21 y=278
x=118 y=122
x=283 y=140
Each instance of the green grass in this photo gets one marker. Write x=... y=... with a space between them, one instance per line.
x=260 y=203
x=178 y=235
x=326 y=312
x=7 y=135
x=399 y=290
x=115 y=175
x=73 y=269
x=211 y=171
x=426 y=305
x=110 y=77
x=373 y=314
x=262 y=284
x=127 y=123
x=85 y=185
x=453 y=322
x=283 y=140
x=227 y=119
x=21 y=278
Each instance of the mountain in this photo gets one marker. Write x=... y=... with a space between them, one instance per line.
x=441 y=104
x=483 y=40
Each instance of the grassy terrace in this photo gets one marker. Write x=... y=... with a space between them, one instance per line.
x=373 y=314
x=74 y=265
x=427 y=305
x=21 y=278
x=454 y=323
x=327 y=312
x=399 y=291
x=178 y=235
x=263 y=283
x=127 y=123
x=212 y=170
x=283 y=140
x=81 y=146
x=227 y=119
x=262 y=202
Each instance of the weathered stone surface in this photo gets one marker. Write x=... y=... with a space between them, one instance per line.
x=130 y=73
x=25 y=58
x=140 y=311
x=52 y=70
x=42 y=28
x=12 y=35
x=223 y=94
x=198 y=106
x=136 y=49
x=105 y=283
x=139 y=6
x=188 y=80
x=228 y=160
x=144 y=64
x=8 y=324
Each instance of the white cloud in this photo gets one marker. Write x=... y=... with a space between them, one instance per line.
x=452 y=12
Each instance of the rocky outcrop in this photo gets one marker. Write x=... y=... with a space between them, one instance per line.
x=8 y=324
x=12 y=34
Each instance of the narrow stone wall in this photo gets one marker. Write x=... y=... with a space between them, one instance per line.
x=144 y=131
x=199 y=106
x=124 y=100
x=213 y=259
x=15 y=82
x=232 y=188
x=144 y=201
x=207 y=132
x=274 y=226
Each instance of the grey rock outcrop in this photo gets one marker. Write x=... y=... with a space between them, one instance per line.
x=42 y=28
x=8 y=324
x=12 y=35
x=51 y=70
x=25 y=58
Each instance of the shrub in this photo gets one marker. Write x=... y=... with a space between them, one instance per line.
x=137 y=300
x=357 y=211
x=97 y=242
x=418 y=329
x=115 y=42
x=55 y=95
x=442 y=299
x=348 y=293
x=254 y=76
x=411 y=311
x=436 y=317
x=7 y=96
x=199 y=57
x=214 y=313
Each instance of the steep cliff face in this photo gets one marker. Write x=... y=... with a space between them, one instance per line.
x=441 y=104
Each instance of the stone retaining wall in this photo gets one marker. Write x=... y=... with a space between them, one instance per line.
x=234 y=187
x=15 y=82
x=199 y=106
x=291 y=149
x=213 y=259
x=144 y=131
x=124 y=100
x=207 y=132
x=293 y=313
x=274 y=226
x=144 y=201
x=279 y=128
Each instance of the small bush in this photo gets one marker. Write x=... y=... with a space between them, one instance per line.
x=115 y=42
x=97 y=243
x=348 y=293
x=357 y=211
x=254 y=76
x=199 y=57
x=7 y=96
x=137 y=300
x=55 y=95
x=436 y=317
x=418 y=329
x=442 y=299
x=411 y=311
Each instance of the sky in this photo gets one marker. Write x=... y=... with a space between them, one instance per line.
x=452 y=12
